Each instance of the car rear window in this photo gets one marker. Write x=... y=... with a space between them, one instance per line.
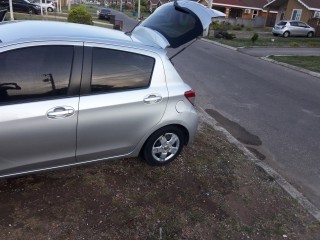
x=282 y=23
x=114 y=70
x=105 y=10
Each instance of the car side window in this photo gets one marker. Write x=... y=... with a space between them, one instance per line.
x=300 y=24
x=295 y=24
x=114 y=70
x=34 y=73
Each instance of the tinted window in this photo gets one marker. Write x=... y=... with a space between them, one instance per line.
x=105 y=10
x=35 y=72
x=294 y=24
x=301 y=24
x=178 y=26
x=282 y=23
x=114 y=70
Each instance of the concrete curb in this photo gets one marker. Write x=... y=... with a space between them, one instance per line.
x=292 y=191
x=219 y=44
x=315 y=74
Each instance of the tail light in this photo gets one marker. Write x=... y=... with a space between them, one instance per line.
x=54 y=4
x=191 y=96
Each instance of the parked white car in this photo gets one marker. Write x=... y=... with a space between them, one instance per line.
x=88 y=94
x=48 y=5
x=293 y=28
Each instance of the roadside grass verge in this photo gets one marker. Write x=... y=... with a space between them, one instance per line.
x=266 y=39
x=311 y=63
x=210 y=192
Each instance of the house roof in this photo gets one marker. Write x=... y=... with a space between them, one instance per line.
x=309 y=4
x=253 y=4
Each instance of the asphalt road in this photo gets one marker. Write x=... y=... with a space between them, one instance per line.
x=128 y=23
x=274 y=110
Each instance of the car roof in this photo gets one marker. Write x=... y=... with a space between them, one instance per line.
x=28 y=31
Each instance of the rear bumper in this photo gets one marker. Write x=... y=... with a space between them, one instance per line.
x=278 y=31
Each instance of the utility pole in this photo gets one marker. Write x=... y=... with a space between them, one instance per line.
x=138 y=9
x=210 y=7
x=69 y=5
x=41 y=10
x=11 y=10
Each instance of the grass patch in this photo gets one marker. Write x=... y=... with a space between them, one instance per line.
x=266 y=39
x=210 y=192
x=311 y=63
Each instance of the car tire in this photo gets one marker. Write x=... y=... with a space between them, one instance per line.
x=49 y=9
x=286 y=34
x=310 y=34
x=163 y=146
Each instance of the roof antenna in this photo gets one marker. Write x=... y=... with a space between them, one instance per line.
x=129 y=33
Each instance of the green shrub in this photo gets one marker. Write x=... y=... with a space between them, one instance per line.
x=294 y=44
x=216 y=26
x=248 y=28
x=79 y=14
x=237 y=28
x=225 y=35
x=254 y=38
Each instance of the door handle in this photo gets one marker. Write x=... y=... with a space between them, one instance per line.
x=60 y=112
x=152 y=98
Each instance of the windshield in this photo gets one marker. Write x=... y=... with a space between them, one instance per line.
x=174 y=24
x=282 y=23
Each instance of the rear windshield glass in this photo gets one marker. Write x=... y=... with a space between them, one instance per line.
x=282 y=23
x=105 y=10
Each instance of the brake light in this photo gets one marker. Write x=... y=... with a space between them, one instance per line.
x=54 y=4
x=191 y=96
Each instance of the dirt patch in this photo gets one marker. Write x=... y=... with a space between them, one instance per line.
x=209 y=192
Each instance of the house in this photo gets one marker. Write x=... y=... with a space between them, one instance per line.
x=302 y=10
x=154 y=4
x=244 y=9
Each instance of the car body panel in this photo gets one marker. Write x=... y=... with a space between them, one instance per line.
x=103 y=126
x=113 y=123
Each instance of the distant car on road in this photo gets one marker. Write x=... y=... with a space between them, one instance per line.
x=21 y=6
x=48 y=5
x=104 y=13
x=287 y=28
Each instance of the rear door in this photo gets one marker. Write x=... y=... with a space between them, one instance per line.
x=39 y=97
x=123 y=96
x=175 y=23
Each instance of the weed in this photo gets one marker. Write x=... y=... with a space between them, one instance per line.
x=237 y=28
x=294 y=44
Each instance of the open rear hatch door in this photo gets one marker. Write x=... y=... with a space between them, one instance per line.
x=174 y=24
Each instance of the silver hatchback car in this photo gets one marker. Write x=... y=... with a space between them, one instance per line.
x=293 y=28
x=76 y=94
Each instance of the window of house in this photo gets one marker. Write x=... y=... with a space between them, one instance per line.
x=255 y=13
x=35 y=73
x=114 y=70
x=296 y=14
